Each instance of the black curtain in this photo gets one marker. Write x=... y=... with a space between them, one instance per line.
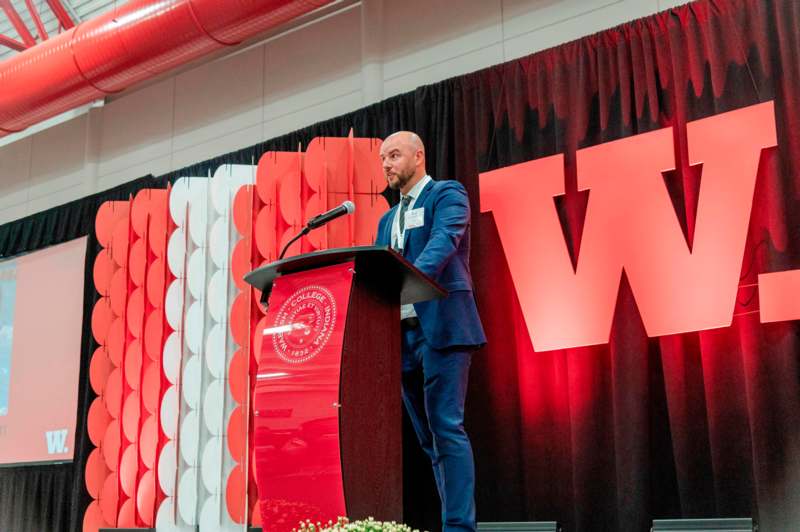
x=695 y=425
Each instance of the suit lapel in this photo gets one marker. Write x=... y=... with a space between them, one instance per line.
x=387 y=230
x=418 y=204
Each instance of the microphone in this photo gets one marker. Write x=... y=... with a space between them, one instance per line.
x=347 y=207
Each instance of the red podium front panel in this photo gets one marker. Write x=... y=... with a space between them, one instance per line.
x=297 y=442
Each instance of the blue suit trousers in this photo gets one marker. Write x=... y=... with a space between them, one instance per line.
x=434 y=389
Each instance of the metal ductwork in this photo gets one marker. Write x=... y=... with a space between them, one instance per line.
x=134 y=42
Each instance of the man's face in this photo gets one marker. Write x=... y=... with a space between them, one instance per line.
x=399 y=160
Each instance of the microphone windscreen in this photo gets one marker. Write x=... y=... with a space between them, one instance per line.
x=349 y=206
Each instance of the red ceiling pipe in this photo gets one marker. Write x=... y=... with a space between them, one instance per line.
x=130 y=44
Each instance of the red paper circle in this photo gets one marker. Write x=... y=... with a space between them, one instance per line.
x=118 y=291
x=319 y=162
x=113 y=393
x=104 y=223
x=109 y=496
x=267 y=233
x=133 y=364
x=151 y=386
x=119 y=243
x=93 y=519
x=242 y=209
x=97 y=421
x=297 y=246
x=130 y=417
x=154 y=335
x=102 y=271
x=108 y=216
x=240 y=263
x=235 y=495
x=314 y=206
x=237 y=437
x=146 y=497
x=101 y=320
x=99 y=369
x=135 y=313
x=115 y=343
x=110 y=446
x=138 y=262
x=269 y=167
x=237 y=375
x=148 y=441
x=289 y=197
x=240 y=319
x=140 y=209
x=157 y=234
x=127 y=515
x=128 y=468
x=155 y=283
x=96 y=473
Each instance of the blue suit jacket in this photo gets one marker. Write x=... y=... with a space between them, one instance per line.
x=440 y=249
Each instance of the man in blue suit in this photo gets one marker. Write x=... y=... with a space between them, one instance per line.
x=430 y=227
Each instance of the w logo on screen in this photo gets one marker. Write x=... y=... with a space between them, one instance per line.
x=56 y=441
x=630 y=225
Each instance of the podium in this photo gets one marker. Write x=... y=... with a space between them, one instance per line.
x=327 y=418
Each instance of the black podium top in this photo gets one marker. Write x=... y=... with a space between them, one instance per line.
x=380 y=263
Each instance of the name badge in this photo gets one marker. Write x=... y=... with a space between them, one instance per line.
x=415 y=218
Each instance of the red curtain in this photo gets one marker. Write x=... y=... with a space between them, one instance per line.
x=702 y=424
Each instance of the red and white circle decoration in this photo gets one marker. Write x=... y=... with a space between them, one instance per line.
x=177 y=329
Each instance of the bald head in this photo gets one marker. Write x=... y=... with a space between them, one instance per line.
x=403 y=160
x=408 y=138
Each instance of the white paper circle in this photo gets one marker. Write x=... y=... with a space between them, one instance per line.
x=218 y=296
x=215 y=351
x=209 y=514
x=165 y=517
x=198 y=214
x=178 y=199
x=169 y=412
x=167 y=468
x=176 y=252
x=213 y=404
x=171 y=358
x=193 y=327
x=236 y=175
x=190 y=433
x=190 y=385
x=219 y=244
x=221 y=193
x=214 y=516
x=173 y=304
x=228 y=179
x=211 y=466
x=187 y=496
x=196 y=273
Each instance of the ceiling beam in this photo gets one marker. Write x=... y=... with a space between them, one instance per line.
x=61 y=14
x=18 y=24
x=11 y=43
x=37 y=20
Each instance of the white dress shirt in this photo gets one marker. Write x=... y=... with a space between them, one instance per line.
x=398 y=238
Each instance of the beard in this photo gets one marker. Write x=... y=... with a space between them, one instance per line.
x=401 y=178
